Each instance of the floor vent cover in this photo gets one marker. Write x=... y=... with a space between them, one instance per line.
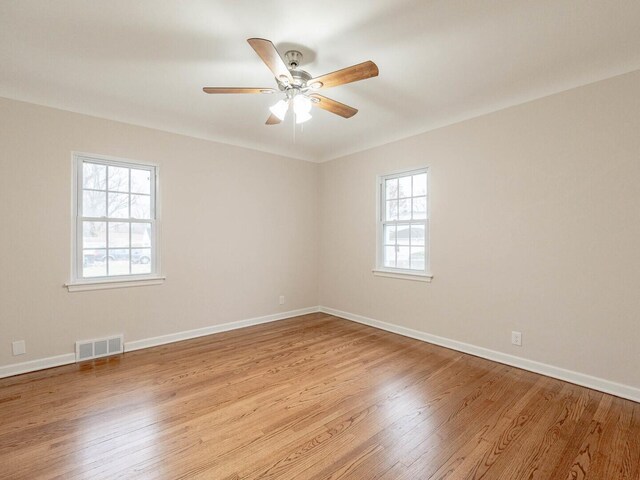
x=101 y=347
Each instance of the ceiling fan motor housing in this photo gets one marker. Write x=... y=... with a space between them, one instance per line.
x=300 y=79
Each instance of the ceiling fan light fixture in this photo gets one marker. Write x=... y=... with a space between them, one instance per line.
x=302 y=117
x=301 y=105
x=280 y=109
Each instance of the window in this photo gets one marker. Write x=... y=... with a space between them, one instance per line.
x=403 y=224
x=115 y=220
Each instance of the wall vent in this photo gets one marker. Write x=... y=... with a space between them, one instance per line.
x=101 y=347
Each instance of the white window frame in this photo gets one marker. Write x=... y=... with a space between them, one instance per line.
x=80 y=283
x=401 y=273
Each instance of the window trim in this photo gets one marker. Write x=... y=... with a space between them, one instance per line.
x=77 y=282
x=401 y=273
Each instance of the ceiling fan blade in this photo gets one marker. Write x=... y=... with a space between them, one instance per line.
x=272 y=120
x=237 y=90
x=362 y=71
x=333 y=106
x=270 y=56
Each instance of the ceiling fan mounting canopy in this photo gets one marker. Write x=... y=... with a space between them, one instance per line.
x=294 y=58
x=299 y=86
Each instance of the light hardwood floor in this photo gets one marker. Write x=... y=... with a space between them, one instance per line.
x=312 y=397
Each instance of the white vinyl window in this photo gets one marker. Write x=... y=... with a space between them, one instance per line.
x=403 y=223
x=115 y=220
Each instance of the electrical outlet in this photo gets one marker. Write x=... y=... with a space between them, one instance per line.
x=281 y=299
x=19 y=347
x=516 y=338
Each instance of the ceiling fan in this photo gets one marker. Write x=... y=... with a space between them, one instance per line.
x=299 y=86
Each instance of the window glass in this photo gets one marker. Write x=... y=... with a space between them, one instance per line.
x=403 y=233
x=115 y=219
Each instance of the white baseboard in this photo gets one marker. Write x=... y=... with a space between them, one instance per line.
x=200 y=332
x=67 y=358
x=600 y=384
x=38 y=364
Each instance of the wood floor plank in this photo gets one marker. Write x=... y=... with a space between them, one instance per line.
x=544 y=439
x=615 y=429
x=582 y=467
x=402 y=413
x=312 y=397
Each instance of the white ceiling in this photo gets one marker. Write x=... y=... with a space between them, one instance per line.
x=145 y=61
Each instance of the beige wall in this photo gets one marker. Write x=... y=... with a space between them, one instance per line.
x=535 y=227
x=221 y=266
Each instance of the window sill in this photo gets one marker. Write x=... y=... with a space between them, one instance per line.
x=119 y=283
x=418 y=277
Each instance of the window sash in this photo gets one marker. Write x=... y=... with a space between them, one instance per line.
x=383 y=222
x=79 y=246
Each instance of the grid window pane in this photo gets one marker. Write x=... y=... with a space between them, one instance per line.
x=94 y=204
x=140 y=206
x=94 y=176
x=140 y=234
x=118 y=205
x=417 y=234
x=94 y=235
x=140 y=181
x=402 y=257
x=403 y=234
x=392 y=210
x=141 y=260
x=419 y=207
x=118 y=179
x=404 y=187
x=389 y=234
x=404 y=209
x=118 y=234
x=118 y=261
x=93 y=263
x=391 y=189
x=419 y=184
x=417 y=258
x=390 y=257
